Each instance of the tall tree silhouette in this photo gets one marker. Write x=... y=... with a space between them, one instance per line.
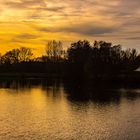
x=78 y=55
x=54 y=49
x=25 y=54
x=79 y=52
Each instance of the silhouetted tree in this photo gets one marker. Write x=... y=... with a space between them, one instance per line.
x=11 y=57
x=79 y=52
x=83 y=60
x=130 y=59
x=25 y=54
x=54 y=49
x=17 y=55
x=78 y=55
x=102 y=58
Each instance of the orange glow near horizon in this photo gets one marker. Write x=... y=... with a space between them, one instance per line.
x=31 y=23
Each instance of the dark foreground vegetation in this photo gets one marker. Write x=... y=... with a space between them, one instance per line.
x=101 y=60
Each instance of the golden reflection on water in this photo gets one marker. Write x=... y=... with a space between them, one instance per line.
x=48 y=113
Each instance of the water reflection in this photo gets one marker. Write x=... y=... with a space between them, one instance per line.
x=76 y=91
x=100 y=93
x=55 y=109
x=28 y=83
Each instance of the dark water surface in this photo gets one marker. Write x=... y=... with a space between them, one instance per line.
x=63 y=111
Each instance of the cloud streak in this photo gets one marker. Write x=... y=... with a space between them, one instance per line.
x=88 y=29
x=27 y=36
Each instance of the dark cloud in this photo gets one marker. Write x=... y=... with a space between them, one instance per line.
x=85 y=29
x=27 y=36
x=25 y=3
x=132 y=38
x=39 y=5
x=51 y=9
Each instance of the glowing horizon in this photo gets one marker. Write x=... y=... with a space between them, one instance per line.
x=31 y=23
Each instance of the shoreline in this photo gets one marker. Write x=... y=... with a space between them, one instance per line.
x=123 y=77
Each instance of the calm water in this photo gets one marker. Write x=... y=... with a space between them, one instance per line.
x=55 y=110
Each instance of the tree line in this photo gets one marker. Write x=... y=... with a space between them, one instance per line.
x=81 y=58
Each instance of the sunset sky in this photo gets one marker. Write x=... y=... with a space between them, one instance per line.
x=31 y=23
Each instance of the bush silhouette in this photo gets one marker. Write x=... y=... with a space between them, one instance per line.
x=102 y=58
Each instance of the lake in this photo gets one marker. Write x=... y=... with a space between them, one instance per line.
x=56 y=110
